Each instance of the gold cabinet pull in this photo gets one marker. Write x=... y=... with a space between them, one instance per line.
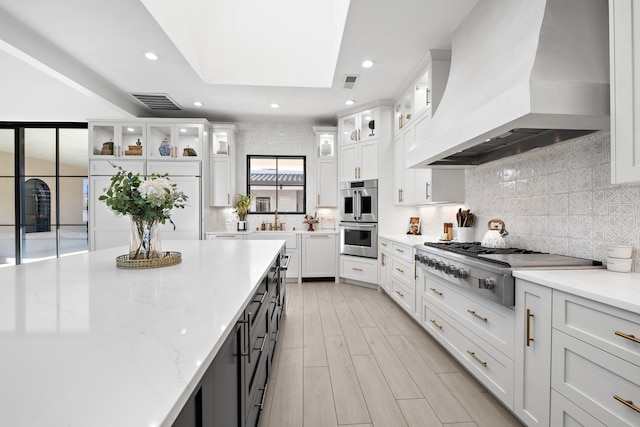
x=228 y=198
x=627 y=336
x=484 y=319
x=529 y=316
x=426 y=190
x=383 y=244
x=400 y=250
x=435 y=291
x=475 y=356
x=628 y=403
x=428 y=96
x=382 y=258
x=356 y=269
x=400 y=270
x=318 y=199
x=359 y=173
x=436 y=324
x=415 y=272
x=400 y=293
x=358 y=135
x=355 y=172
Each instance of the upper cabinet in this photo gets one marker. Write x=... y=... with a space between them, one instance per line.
x=423 y=96
x=359 y=127
x=326 y=166
x=222 y=165
x=326 y=141
x=142 y=139
x=624 y=57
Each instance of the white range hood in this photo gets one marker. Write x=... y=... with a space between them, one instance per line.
x=520 y=70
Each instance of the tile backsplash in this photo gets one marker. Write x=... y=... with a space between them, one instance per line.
x=557 y=199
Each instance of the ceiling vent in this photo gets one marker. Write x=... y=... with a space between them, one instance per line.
x=350 y=81
x=157 y=101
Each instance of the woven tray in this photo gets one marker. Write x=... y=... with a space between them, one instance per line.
x=169 y=258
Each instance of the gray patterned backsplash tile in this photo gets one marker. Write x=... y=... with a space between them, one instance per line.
x=557 y=199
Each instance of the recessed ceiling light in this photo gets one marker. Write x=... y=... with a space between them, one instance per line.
x=274 y=105
x=151 y=56
x=349 y=102
x=367 y=64
x=198 y=103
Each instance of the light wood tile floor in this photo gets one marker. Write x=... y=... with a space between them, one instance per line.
x=349 y=356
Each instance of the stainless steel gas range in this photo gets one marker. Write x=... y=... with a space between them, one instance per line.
x=486 y=272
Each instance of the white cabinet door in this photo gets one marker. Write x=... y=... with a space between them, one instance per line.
x=221 y=193
x=327 y=183
x=107 y=228
x=319 y=254
x=624 y=53
x=368 y=160
x=403 y=177
x=349 y=161
x=187 y=220
x=532 y=388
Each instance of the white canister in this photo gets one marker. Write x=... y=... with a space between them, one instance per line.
x=465 y=234
x=620 y=265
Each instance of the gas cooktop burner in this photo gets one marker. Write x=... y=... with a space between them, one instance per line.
x=476 y=249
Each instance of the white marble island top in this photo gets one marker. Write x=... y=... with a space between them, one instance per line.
x=83 y=343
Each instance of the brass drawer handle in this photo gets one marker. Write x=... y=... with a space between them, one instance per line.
x=436 y=324
x=400 y=270
x=628 y=403
x=480 y=361
x=629 y=337
x=484 y=319
x=435 y=291
x=356 y=269
x=529 y=316
x=383 y=244
x=400 y=250
x=400 y=293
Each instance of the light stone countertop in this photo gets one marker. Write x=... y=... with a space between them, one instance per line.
x=408 y=239
x=248 y=232
x=84 y=343
x=620 y=290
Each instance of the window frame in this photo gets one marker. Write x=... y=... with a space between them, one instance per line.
x=275 y=205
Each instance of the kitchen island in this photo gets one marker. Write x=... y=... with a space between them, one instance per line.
x=84 y=343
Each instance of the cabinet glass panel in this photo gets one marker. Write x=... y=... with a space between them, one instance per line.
x=407 y=107
x=102 y=139
x=327 y=144
x=160 y=140
x=189 y=140
x=220 y=143
x=398 y=116
x=421 y=94
x=348 y=128
x=40 y=151
x=367 y=125
x=133 y=140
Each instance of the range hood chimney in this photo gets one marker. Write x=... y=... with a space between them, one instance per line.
x=524 y=74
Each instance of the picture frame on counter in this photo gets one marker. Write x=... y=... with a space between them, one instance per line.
x=414 y=225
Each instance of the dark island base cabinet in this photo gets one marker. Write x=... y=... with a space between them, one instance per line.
x=232 y=390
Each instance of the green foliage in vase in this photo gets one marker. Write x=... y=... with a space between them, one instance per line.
x=242 y=205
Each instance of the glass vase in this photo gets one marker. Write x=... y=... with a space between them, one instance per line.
x=145 y=239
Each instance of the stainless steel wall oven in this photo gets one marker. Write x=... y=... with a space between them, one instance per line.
x=359 y=218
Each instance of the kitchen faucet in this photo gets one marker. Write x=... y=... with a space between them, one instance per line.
x=275 y=221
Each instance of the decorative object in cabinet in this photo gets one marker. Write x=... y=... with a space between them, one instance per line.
x=326 y=166
x=326 y=140
x=624 y=53
x=222 y=171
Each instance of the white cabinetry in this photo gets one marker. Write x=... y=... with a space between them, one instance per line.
x=532 y=388
x=326 y=167
x=402 y=276
x=624 y=54
x=359 y=134
x=223 y=236
x=292 y=244
x=222 y=165
x=384 y=267
x=402 y=176
x=363 y=270
x=319 y=255
x=596 y=359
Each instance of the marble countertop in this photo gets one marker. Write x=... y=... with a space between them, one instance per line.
x=408 y=239
x=226 y=233
x=84 y=343
x=620 y=290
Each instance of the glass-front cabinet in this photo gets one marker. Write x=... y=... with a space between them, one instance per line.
x=169 y=141
x=359 y=127
x=326 y=141
x=421 y=94
x=221 y=140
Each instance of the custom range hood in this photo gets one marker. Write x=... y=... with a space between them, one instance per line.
x=524 y=74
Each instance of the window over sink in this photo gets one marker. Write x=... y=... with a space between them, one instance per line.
x=277 y=183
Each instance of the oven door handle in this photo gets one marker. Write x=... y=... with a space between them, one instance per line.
x=358 y=225
x=357 y=213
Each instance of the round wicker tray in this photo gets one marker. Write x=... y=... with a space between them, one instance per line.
x=169 y=258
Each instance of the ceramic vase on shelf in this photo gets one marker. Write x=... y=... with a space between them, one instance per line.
x=145 y=240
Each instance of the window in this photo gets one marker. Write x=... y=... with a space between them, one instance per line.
x=277 y=183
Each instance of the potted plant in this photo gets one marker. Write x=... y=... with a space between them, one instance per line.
x=243 y=202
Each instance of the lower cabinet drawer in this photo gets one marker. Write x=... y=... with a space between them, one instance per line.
x=565 y=413
x=403 y=294
x=597 y=381
x=492 y=322
x=492 y=368
x=402 y=269
x=255 y=400
x=362 y=269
